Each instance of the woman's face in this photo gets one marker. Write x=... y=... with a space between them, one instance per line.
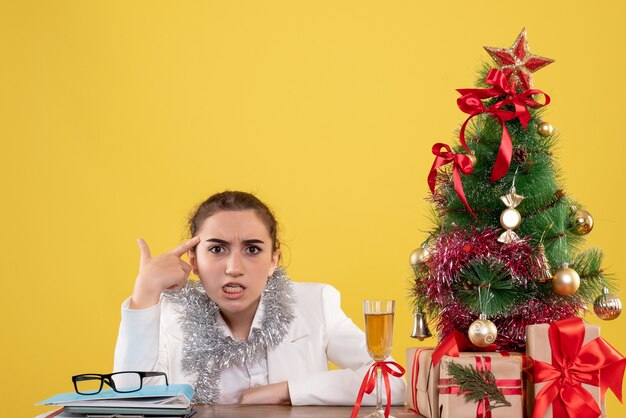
x=234 y=260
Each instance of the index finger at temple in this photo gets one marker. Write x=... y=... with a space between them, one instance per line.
x=185 y=246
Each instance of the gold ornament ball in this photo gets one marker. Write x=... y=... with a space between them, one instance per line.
x=473 y=159
x=545 y=129
x=510 y=218
x=418 y=257
x=582 y=222
x=482 y=332
x=565 y=281
x=607 y=306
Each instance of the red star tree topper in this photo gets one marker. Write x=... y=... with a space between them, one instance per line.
x=517 y=63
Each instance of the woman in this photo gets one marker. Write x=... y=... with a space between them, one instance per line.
x=246 y=333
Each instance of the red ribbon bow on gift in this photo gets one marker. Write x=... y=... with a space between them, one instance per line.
x=369 y=383
x=471 y=102
x=460 y=164
x=456 y=342
x=597 y=364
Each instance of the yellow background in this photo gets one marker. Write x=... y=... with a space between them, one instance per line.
x=117 y=117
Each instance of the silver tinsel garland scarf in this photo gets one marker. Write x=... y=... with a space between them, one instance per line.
x=207 y=350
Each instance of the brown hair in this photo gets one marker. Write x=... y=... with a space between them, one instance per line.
x=235 y=201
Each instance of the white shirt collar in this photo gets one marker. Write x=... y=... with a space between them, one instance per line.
x=256 y=321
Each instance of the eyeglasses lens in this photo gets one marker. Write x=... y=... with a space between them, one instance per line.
x=88 y=385
x=126 y=382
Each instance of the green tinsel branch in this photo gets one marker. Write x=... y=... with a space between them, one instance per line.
x=475 y=385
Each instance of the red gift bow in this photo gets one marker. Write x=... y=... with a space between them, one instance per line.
x=597 y=363
x=471 y=102
x=461 y=164
x=369 y=383
x=482 y=409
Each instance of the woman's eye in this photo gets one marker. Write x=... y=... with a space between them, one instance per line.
x=217 y=249
x=253 y=250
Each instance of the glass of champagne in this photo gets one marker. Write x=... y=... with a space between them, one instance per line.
x=379 y=336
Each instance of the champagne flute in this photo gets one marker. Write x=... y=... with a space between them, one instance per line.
x=379 y=336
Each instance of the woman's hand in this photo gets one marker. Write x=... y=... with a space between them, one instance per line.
x=158 y=273
x=275 y=393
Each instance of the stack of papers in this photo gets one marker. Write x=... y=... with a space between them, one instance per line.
x=158 y=401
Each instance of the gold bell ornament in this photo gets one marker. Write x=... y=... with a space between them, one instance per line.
x=565 y=281
x=607 y=306
x=420 y=326
x=482 y=332
x=510 y=218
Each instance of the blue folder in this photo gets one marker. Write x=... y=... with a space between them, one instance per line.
x=148 y=396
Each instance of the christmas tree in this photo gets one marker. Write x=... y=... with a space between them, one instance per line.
x=507 y=246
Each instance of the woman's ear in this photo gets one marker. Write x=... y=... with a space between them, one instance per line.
x=193 y=261
x=275 y=260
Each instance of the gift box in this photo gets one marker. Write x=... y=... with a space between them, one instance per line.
x=507 y=370
x=422 y=380
x=574 y=350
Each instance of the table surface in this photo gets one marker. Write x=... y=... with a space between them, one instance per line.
x=284 y=411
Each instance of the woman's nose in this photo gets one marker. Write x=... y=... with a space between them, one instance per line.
x=234 y=266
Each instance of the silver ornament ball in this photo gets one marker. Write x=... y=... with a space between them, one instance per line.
x=607 y=306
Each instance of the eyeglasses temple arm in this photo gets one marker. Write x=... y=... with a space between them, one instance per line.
x=153 y=374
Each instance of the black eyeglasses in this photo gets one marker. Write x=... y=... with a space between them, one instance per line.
x=122 y=382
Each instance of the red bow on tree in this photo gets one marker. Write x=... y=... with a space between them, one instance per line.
x=460 y=164
x=471 y=102
x=597 y=363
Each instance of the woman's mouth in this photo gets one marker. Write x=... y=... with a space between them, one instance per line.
x=233 y=289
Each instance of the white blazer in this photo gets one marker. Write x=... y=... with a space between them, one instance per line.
x=152 y=339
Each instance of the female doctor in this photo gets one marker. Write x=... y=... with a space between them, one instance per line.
x=245 y=333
